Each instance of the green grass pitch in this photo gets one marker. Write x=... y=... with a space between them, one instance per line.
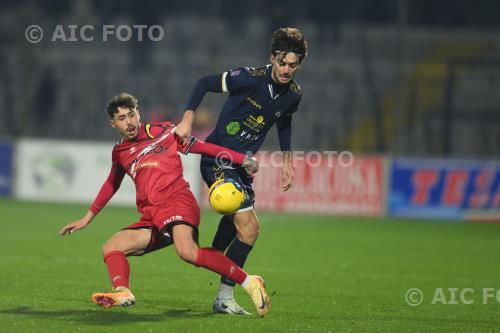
x=325 y=274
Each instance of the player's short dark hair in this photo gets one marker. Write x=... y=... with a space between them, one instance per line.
x=123 y=100
x=285 y=40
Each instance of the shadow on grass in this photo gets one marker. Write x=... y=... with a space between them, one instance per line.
x=100 y=316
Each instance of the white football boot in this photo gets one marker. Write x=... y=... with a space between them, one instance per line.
x=228 y=306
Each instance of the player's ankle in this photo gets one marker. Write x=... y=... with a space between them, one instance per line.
x=225 y=291
x=245 y=283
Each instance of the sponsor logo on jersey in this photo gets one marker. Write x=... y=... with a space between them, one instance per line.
x=151 y=164
x=255 y=123
x=233 y=127
x=254 y=103
x=249 y=136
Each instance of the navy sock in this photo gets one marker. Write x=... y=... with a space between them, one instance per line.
x=225 y=234
x=237 y=252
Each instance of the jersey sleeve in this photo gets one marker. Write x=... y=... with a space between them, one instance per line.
x=196 y=146
x=186 y=147
x=236 y=81
x=294 y=108
x=109 y=187
x=164 y=123
x=284 y=126
x=211 y=83
x=295 y=88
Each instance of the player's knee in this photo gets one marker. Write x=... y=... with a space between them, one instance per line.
x=108 y=247
x=128 y=243
x=249 y=232
x=187 y=252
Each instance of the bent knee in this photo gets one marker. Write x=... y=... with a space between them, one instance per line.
x=109 y=247
x=128 y=243
x=249 y=232
x=188 y=253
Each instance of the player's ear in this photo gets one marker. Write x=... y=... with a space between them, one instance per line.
x=112 y=123
x=271 y=57
x=138 y=115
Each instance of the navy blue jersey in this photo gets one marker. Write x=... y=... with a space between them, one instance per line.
x=254 y=104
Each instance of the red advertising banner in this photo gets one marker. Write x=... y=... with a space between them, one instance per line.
x=323 y=185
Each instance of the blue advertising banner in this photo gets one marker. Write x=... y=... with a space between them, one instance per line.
x=450 y=189
x=6 y=154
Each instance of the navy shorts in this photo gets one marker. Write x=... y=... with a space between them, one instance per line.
x=211 y=172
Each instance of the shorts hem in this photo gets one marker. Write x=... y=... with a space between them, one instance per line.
x=246 y=209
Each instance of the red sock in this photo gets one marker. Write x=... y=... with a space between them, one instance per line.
x=217 y=262
x=118 y=269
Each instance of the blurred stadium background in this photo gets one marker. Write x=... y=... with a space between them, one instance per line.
x=400 y=77
x=410 y=87
x=404 y=78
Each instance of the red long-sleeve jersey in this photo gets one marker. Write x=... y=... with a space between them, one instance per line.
x=151 y=160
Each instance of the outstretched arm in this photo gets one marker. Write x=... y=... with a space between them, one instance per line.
x=211 y=83
x=223 y=155
x=284 y=126
x=108 y=189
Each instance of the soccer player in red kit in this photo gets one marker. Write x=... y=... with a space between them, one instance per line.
x=170 y=213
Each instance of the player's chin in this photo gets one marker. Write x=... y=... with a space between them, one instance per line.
x=131 y=135
x=284 y=80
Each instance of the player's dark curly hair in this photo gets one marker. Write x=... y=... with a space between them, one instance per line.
x=284 y=40
x=123 y=100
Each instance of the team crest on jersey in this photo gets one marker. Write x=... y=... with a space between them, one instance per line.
x=132 y=150
x=278 y=114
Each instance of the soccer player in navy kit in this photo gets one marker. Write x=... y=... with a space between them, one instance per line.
x=258 y=98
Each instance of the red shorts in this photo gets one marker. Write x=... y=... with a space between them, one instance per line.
x=180 y=208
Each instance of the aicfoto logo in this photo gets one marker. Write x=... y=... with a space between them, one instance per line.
x=53 y=172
